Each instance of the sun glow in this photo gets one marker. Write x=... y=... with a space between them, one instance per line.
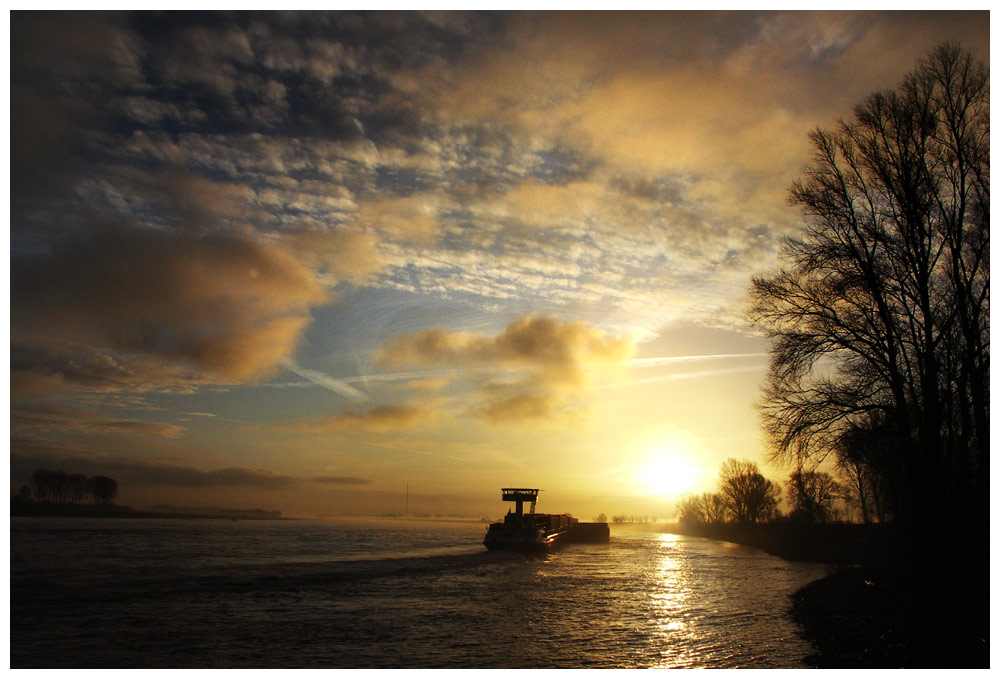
x=668 y=470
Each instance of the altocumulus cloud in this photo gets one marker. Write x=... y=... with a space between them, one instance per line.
x=188 y=188
x=132 y=268
x=189 y=191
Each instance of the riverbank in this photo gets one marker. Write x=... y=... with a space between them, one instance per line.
x=866 y=617
x=835 y=543
x=876 y=611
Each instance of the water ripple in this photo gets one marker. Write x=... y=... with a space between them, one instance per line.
x=366 y=594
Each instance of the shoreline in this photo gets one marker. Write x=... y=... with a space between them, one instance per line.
x=835 y=544
x=871 y=612
x=864 y=617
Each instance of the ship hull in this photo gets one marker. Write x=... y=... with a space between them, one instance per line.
x=519 y=541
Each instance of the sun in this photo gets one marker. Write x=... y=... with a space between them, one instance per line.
x=668 y=470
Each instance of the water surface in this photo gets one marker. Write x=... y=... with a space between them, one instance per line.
x=370 y=593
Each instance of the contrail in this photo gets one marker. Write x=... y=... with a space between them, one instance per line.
x=393 y=377
x=338 y=386
x=669 y=360
x=680 y=376
x=343 y=385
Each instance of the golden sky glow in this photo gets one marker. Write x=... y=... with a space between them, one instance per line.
x=300 y=261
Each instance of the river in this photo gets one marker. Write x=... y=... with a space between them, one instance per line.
x=389 y=594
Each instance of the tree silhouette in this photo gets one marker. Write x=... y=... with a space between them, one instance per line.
x=690 y=511
x=812 y=494
x=747 y=495
x=714 y=508
x=76 y=488
x=59 y=487
x=879 y=318
x=707 y=508
x=104 y=489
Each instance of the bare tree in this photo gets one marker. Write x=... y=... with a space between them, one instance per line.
x=879 y=320
x=747 y=495
x=40 y=484
x=104 y=490
x=690 y=511
x=714 y=507
x=811 y=495
x=76 y=485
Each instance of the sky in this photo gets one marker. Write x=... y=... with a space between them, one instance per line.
x=305 y=261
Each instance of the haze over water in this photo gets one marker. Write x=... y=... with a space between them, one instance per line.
x=372 y=593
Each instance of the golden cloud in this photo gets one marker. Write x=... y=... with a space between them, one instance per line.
x=380 y=419
x=699 y=93
x=556 y=362
x=539 y=341
x=202 y=292
x=412 y=219
x=519 y=406
x=223 y=302
x=344 y=254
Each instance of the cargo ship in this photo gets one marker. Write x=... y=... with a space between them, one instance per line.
x=531 y=532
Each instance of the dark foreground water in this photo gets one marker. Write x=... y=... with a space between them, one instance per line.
x=183 y=593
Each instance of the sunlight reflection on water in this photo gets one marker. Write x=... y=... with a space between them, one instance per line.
x=176 y=594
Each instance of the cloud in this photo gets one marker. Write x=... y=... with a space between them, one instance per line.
x=714 y=107
x=341 y=254
x=552 y=361
x=563 y=351
x=199 y=296
x=519 y=407
x=379 y=419
x=412 y=219
x=56 y=418
x=634 y=163
x=341 y=480
x=26 y=458
x=47 y=367
x=225 y=303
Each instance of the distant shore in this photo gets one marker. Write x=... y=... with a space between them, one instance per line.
x=116 y=512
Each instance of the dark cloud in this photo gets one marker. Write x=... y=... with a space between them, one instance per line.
x=49 y=418
x=341 y=480
x=42 y=370
x=378 y=419
x=54 y=92
x=27 y=458
x=222 y=302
